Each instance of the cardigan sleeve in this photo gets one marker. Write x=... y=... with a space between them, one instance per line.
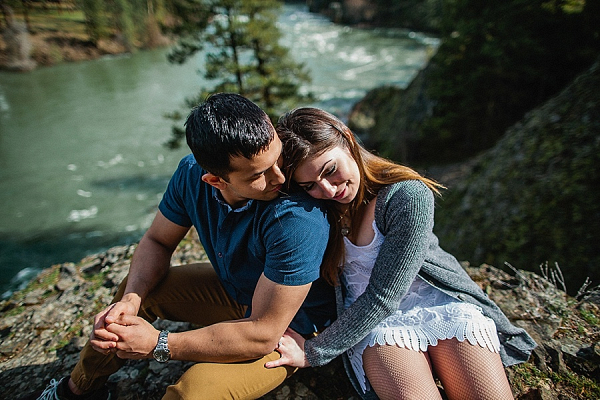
x=404 y=215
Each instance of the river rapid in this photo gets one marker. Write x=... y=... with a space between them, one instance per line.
x=82 y=158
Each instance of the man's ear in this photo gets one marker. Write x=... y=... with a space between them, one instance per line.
x=214 y=180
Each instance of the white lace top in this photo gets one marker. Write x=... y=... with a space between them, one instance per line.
x=425 y=314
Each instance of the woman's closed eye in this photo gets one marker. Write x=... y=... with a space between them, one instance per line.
x=308 y=188
x=328 y=172
x=331 y=170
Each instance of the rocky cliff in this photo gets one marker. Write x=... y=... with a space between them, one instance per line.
x=421 y=15
x=533 y=197
x=43 y=327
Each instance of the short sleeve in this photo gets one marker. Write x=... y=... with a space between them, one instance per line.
x=296 y=236
x=172 y=205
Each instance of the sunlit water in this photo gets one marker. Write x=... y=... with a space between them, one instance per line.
x=82 y=160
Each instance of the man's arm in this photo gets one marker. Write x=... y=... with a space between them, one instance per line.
x=152 y=258
x=150 y=262
x=274 y=305
x=273 y=308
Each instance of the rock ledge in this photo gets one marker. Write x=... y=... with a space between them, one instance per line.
x=43 y=327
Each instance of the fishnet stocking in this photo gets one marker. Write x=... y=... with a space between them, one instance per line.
x=397 y=373
x=465 y=371
x=469 y=372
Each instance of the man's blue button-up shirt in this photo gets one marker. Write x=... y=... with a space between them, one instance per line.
x=285 y=239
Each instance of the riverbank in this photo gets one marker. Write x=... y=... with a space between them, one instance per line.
x=51 y=48
x=57 y=34
x=43 y=328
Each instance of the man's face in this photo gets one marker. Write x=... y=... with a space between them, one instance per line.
x=258 y=178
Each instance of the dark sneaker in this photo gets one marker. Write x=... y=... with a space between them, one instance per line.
x=59 y=390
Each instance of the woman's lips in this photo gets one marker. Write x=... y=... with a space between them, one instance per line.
x=341 y=195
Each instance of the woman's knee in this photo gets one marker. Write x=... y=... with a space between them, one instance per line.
x=399 y=373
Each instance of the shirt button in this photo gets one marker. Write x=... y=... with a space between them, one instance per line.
x=220 y=255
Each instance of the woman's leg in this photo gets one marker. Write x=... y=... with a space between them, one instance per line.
x=469 y=371
x=399 y=373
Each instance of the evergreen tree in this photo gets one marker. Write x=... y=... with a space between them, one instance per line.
x=243 y=53
x=137 y=22
x=95 y=21
x=124 y=21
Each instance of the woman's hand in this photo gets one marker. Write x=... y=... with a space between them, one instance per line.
x=291 y=348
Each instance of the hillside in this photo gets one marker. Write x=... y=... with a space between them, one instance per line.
x=43 y=327
x=532 y=198
x=535 y=196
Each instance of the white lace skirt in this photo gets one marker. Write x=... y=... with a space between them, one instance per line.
x=425 y=316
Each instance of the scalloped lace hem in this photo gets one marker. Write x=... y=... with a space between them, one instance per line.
x=424 y=327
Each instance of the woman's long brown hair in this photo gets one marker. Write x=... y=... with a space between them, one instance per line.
x=309 y=132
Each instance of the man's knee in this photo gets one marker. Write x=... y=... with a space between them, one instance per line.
x=240 y=381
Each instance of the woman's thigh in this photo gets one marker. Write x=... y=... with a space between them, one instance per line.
x=469 y=371
x=399 y=373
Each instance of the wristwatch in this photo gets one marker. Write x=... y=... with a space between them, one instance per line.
x=161 y=352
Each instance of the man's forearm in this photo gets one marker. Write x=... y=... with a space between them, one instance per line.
x=224 y=342
x=273 y=308
x=149 y=264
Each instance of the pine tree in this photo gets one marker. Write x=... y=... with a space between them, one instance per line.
x=243 y=54
x=95 y=21
x=137 y=22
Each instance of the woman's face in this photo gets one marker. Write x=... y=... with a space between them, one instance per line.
x=332 y=175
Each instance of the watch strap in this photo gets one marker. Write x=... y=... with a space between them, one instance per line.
x=161 y=351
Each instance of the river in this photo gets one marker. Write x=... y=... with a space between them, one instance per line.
x=82 y=158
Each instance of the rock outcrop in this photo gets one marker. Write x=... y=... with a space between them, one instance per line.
x=535 y=196
x=420 y=15
x=43 y=327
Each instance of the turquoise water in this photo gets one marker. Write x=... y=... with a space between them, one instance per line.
x=82 y=160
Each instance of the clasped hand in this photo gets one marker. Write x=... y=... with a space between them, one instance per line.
x=118 y=329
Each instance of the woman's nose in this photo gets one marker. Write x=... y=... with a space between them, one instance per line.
x=327 y=188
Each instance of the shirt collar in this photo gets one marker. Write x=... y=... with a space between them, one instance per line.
x=219 y=198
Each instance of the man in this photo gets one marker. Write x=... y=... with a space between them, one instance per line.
x=263 y=274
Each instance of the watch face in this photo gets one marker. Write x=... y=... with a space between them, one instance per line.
x=161 y=355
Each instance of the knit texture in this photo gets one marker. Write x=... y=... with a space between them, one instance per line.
x=404 y=214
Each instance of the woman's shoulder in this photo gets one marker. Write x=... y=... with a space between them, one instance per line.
x=405 y=203
x=407 y=190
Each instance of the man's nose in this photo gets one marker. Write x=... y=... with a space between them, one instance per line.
x=277 y=177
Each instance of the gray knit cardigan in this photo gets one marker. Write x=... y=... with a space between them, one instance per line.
x=404 y=215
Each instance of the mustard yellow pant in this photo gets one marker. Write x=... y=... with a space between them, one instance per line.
x=190 y=293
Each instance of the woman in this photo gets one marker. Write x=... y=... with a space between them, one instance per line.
x=405 y=306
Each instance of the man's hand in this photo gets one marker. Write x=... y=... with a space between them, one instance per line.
x=291 y=348
x=137 y=337
x=103 y=340
x=150 y=263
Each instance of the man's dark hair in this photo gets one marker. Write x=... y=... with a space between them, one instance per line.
x=227 y=125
